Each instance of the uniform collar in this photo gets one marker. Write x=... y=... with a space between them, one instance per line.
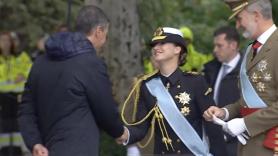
x=263 y=37
x=173 y=78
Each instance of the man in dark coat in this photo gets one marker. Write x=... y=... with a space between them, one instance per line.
x=222 y=74
x=67 y=97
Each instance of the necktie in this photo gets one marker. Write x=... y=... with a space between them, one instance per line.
x=224 y=70
x=223 y=73
x=255 y=46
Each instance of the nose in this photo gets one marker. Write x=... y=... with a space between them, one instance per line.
x=156 y=46
x=215 y=49
x=237 y=24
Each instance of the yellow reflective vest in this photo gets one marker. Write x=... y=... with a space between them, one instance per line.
x=14 y=71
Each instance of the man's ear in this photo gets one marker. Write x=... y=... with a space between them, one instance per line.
x=257 y=15
x=234 y=45
x=95 y=32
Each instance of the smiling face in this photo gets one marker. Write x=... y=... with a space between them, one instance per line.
x=246 y=24
x=164 y=52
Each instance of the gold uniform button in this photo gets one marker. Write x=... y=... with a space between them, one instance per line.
x=178 y=140
x=179 y=152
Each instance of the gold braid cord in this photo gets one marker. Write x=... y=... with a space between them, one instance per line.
x=157 y=115
x=136 y=89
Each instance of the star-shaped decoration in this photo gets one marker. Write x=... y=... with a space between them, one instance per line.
x=255 y=77
x=267 y=77
x=261 y=87
x=183 y=98
x=185 y=110
x=262 y=65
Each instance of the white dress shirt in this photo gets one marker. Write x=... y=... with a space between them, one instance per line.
x=263 y=37
x=232 y=64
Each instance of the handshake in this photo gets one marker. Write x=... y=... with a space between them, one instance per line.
x=123 y=139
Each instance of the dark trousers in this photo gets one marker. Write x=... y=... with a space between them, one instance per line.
x=232 y=148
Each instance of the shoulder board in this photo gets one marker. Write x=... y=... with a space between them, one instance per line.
x=192 y=73
x=146 y=76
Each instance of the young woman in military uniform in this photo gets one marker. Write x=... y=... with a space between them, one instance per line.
x=170 y=103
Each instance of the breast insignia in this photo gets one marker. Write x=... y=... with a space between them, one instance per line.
x=183 y=98
x=208 y=91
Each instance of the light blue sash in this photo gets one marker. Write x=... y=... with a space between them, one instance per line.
x=176 y=120
x=249 y=94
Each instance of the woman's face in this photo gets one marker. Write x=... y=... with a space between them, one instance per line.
x=163 y=52
x=5 y=44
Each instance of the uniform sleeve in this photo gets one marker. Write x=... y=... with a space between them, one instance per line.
x=99 y=92
x=27 y=118
x=138 y=132
x=203 y=94
x=214 y=132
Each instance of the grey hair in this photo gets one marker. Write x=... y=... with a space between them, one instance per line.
x=89 y=17
x=263 y=6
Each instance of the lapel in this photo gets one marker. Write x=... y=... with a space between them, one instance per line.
x=235 y=71
x=266 y=48
x=214 y=72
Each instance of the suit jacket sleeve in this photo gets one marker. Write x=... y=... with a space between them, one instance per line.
x=214 y=132
x=27 y=117
x=99 y=92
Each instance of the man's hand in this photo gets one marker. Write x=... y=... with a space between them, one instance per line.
x=123 y=139
x=213 y=110
x=39 y=150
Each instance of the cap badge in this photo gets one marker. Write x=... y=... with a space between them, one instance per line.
x=159 y=31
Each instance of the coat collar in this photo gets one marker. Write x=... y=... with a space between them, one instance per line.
x=266 y=48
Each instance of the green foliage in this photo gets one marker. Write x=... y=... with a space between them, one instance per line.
x=202 y=16
x=108 y=147
x=33 y=18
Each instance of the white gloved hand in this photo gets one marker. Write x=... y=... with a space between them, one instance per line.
x=241 y=137
x=235 y=126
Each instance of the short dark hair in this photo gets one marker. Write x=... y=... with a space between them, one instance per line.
x=230 y=32
x=89 y=17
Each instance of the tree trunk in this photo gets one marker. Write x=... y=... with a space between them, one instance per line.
x=122 y=52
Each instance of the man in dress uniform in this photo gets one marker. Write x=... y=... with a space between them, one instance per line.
x=171 y=103
x=258 y=80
